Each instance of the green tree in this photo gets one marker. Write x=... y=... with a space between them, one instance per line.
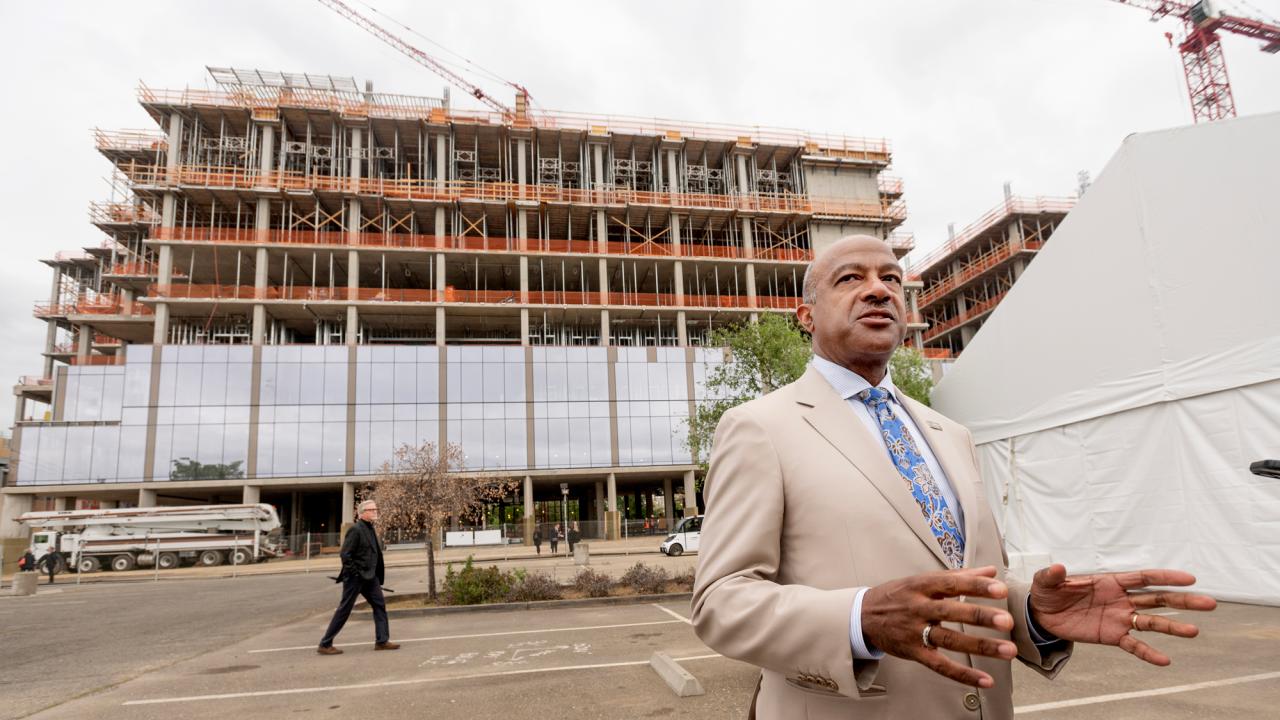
x=910 y=373
x=185 y=468
x=763 y=356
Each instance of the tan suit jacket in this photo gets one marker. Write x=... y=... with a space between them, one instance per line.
x=803 y=507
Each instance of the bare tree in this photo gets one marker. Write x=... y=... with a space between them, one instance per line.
x=423 y=486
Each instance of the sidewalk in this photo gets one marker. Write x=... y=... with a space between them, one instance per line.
x=397 y=557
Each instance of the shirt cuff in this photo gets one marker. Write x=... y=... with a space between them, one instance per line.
x=1039 y=635
x=862 y=650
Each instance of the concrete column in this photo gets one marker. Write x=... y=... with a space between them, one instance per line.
x=355 y=167
x=690 y=495
x=348 y=505
x=259 y=291
x=528 y=510
x=84 y=343
x=164 y=277
x=266 y=152
x=682 y=331
x=442 y=161
x=353 y=293
x=1018 y=266
x=522 y=169
x=522 y=235
x=966 y=335
x=613 y=528
x=673 y=170
x=440 y=285
x=600 y=501
x=605 y=330
x=14 y=536
x=668 y=503
x=252 y=495
x=174 y=154
x=146 y=497
x=19 y=412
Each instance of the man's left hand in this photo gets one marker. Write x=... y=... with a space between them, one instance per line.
x=1104 y=608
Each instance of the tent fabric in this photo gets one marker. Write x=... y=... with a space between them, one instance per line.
x=1120 y=391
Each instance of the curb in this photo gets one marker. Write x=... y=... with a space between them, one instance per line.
x=531 y=605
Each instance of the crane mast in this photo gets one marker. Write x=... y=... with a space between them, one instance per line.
x=1201 y=50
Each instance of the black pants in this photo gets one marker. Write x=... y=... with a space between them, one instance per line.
x=372 y=591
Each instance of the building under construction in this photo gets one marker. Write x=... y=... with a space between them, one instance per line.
x=301 y=274
x=967 y=276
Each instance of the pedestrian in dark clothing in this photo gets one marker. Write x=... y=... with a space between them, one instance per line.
x=362 y=574
x=50 y=564
x=575 y=536
x=537 y=539
x=555 y=539
x=27 y=563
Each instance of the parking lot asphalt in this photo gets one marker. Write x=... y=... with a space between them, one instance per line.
x=592 y=662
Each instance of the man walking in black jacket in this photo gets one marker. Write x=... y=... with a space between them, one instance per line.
x=362 y=574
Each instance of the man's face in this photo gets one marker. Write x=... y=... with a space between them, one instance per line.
x=859 y=315
x=369 y=512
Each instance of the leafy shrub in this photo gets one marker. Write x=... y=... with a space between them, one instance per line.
x=684 y=579
x=592 y=583
x=526 y=587
x=646 y=579
x=473 y=585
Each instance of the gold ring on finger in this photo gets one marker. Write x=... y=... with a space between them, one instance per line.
x=1134 y=621
x=924 y=636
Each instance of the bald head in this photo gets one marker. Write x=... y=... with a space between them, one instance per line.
x=821 y=264
x=854 y=305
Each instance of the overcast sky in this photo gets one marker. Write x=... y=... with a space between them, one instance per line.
x=971 y=94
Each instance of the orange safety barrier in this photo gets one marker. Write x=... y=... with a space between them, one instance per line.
x=904 y=241
x=455 y=295
x=936 y=353
x=260 y=99
x=889 y=184
x=971 y=312
x=117 y=213
x=94 y=360
x=992 y=258
x=130 y=140
x=457 y=190
x=34 y=380
x=993 y=217
x=452 y=242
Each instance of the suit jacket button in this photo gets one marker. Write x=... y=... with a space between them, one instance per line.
x=971 y=701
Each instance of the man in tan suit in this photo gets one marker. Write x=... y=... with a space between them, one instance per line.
x=848 y=550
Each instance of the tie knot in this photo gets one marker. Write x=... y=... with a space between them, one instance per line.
x=874 y=396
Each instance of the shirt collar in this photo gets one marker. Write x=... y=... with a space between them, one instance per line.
x=849 y=383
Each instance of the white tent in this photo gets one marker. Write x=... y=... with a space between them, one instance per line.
x=1120 y=391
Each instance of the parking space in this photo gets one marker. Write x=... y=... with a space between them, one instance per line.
x=588 y=662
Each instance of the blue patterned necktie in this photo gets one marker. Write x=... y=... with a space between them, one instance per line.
x=906 y=457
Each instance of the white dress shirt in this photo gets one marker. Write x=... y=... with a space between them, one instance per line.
x=848 y=384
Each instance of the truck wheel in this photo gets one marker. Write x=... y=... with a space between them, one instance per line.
x=210 y=558
x=240 y=556
x=167 y=560
x=59 y=565
x=123 y=562
x=90 y=564
x=675 y=550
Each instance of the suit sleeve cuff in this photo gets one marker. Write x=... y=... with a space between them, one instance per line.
x=862 y=650
x=1041 y=637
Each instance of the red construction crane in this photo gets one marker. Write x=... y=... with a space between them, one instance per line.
x=522 y=95
x=1202 y=60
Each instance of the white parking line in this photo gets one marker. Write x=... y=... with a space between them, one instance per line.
x=674 y=614
x=1145 y=693
x=393 y=683
x=484 y=635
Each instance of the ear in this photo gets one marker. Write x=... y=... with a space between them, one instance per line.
x=804 y=315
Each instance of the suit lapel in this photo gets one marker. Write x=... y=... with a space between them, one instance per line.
x=955 y=463
x=833 y=419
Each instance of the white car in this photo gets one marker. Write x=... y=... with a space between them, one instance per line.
x=684 y=538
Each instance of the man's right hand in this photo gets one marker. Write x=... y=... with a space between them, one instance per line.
x=894 y=616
